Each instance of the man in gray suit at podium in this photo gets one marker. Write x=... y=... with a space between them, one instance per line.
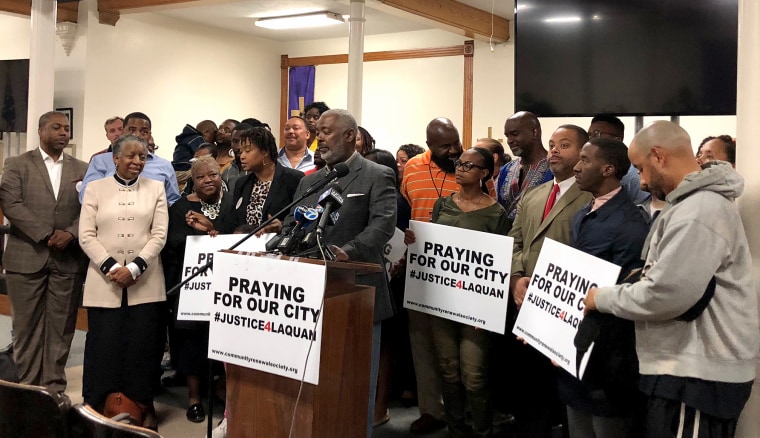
x=367 y=218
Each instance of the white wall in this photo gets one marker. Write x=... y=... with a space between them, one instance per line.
x=176 y=72
x=14 y=36
x=401 y=97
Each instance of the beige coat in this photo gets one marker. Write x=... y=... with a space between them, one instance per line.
x=123 y=223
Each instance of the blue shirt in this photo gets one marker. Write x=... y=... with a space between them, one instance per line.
x=306 y=163
x=631 y=186
x=156 y=168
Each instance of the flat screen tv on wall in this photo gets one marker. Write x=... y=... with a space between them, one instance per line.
x=14 y=94
x=628 y=57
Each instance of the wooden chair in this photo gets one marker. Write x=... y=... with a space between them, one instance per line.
x=86 y=422
x=32 y=411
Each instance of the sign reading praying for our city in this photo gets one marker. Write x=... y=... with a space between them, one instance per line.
x=553 y=305
x=195 y=296
x=266 y=314
x=459 y=274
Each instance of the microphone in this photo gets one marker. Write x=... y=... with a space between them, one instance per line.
x=331 y=200
x=274 y=242
x=339 y=171
x=303 y=217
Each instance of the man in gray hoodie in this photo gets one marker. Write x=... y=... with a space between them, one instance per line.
x=695 y=307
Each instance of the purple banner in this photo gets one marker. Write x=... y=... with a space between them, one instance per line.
x=301 y=89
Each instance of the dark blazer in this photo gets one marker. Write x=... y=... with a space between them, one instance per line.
x=366 y=223
x=284 y=184
x=615 y=233
x=28 y=201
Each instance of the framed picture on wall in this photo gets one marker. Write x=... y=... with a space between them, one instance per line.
x=70 y=114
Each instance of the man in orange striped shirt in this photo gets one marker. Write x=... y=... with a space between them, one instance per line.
x=427 y=177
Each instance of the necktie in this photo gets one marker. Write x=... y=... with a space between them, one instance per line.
x=550 y=202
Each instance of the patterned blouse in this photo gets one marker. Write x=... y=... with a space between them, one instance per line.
x=255 y=206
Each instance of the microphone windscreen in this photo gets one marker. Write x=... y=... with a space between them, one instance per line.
x=341 y=169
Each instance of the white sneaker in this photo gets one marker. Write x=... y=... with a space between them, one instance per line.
x=220 y=431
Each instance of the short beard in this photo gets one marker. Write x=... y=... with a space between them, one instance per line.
x=446 y=164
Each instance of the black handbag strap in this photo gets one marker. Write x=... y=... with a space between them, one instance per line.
x=700 y=306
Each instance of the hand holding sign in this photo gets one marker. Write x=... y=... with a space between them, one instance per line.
x=458 y=274
x=554 y=305
x=590 y=301
x=520 y=289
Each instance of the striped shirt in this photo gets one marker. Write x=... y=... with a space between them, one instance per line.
x=424 y=182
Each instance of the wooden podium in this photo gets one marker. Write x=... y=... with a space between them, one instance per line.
x=261 y=404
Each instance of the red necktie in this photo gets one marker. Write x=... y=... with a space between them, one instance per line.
x=550 y=202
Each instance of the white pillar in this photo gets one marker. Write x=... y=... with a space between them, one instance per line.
x=355 y=58
x=747 y=157
x=41 y=67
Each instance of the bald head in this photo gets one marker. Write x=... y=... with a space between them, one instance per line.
x=664 y=134
x=440 y=124
x=523 y=132
x=526 y=117
x=662 y=153
x=443 y=142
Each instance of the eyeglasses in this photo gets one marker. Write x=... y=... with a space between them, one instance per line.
x=467 y=165
x=224 y=130
x=596 y=133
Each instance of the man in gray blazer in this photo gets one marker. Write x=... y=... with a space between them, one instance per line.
x=367 y=217
x=45 y=266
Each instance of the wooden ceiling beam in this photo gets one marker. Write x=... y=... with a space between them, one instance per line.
x=109 y=11
x=66 y=11
x=123 y=5
x=470 y=21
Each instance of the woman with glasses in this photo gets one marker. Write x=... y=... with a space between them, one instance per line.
x=463 y=350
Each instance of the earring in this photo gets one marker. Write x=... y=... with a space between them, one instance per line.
x=231 y=153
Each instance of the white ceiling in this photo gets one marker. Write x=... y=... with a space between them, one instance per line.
x=239 y=15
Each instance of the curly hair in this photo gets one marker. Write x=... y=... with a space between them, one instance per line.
x=261 y=138
x=411 y=149
x=728 y=142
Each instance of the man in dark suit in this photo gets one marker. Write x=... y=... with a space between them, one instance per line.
x=545 y=211
x=45 y=266
x=367 y=216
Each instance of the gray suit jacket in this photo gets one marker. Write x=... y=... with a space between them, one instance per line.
x=28 y=201
x=366 y=223
x=529 y=231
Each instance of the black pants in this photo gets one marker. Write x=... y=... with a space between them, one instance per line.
x=123 y=352
x=673 y=419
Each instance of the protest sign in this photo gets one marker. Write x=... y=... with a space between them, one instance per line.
x=459 y=274
x=266 y=315
x=553 y=306
x=195 y=296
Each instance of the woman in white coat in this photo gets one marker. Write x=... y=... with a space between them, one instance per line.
x=122 y=229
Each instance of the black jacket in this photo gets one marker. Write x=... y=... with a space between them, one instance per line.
x=281 y=192
x=616 y=233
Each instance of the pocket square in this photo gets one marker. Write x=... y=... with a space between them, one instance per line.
x=354 y=195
